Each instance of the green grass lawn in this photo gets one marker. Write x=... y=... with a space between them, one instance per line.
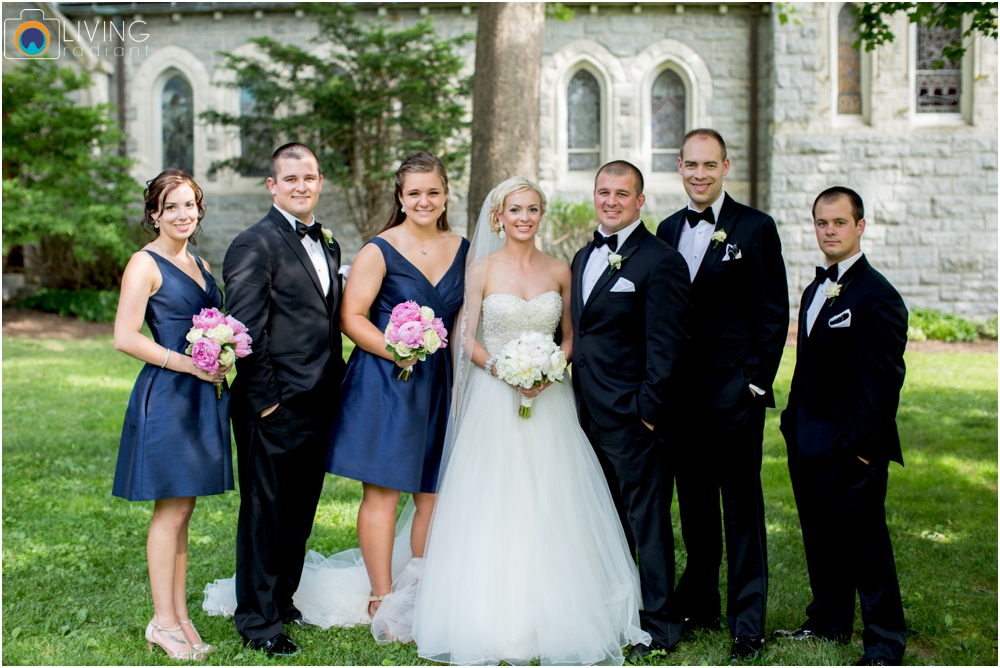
x=74 y=570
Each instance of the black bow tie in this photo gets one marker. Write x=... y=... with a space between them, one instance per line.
x=695 y=217
x=831 y=273
x=315 y=231
x=600 y=240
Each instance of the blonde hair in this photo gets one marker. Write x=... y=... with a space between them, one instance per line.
x=507 y=188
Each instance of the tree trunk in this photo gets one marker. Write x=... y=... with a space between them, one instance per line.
x=505 y=97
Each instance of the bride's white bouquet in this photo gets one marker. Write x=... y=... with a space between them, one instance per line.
x=531 y=360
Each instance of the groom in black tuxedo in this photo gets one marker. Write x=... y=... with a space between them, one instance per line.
x=739 y=297
x=840 y=428
x=282 y=282
x=630 y=308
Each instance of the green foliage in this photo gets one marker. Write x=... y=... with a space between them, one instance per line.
x=87 y=305
x=559 y=11
x=65 y=188
x=76 y=589
x=787 y=12
x=873 y=28
x=937 y=326
x=375 y=97
x=567 y=228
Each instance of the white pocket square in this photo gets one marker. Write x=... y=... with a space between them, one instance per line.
x=733 y=252
x=840 y=320
x=623 y=285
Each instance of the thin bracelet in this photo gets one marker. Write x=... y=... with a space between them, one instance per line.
x=166 y=358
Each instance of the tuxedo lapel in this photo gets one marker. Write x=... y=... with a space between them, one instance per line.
x=727 y=221
x=807 y=299
x=676 y=233
x=295 y=244
x=577 y=295
x=845 y=282
x=334 y=271
x=628 y=248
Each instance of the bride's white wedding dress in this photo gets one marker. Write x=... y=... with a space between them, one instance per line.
x=526 y=557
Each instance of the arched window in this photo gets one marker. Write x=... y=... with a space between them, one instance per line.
x=178 y=124
x=255 y=140
x=584 y=118
x=848 y=63
x=938 y=90
x=668 y=99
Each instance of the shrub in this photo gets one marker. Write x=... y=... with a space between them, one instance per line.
x=988 y=330
x=88 y=305
x=567 y=228
x=937 y=326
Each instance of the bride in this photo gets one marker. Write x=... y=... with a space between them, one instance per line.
x=526 y=557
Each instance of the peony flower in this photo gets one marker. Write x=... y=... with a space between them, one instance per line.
x=221 y=333
x=442 y=333
x=235 y=325
x=208 y=318
x=402 y=349
x=205 y=353
x=391 y=334
x=431 y=341
x=194 y=334
x=411 y=333
x=427 y=315
x=405 y=312
x=227 y=357
x=241 y=342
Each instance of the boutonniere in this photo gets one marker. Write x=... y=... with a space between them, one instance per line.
x=717 y=238
x=832 y=292
x=615 y=262
x=328 y=237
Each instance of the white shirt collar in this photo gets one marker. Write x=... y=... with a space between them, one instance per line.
x=844 y=265
x=716 y=205
x=290 y=218
x=622 y=234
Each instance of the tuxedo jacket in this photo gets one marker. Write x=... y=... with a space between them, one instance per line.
x=272 y=287
x=849 y=370
x=739 y=308
x=627 y=340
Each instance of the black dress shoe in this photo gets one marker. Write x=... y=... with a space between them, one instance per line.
x=868 y=661
x=692 y=624
x=808 y=634
x=639 y=652
x=295 y=621
x=745 y=647
x=279 y=645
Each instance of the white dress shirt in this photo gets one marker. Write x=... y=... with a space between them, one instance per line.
x=820 y=295
x=693 y=243
x=597 y=263
x=314 y=248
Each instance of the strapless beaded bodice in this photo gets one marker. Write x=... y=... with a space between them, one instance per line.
x=505 y=317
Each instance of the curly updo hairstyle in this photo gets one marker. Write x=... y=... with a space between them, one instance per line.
x=509 y=187
x=418 y=163
x=156 y=193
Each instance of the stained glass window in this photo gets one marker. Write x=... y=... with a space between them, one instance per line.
x=178 y=124
x=848 y=63
x=584 y=104
x=938 y=90
x=668 y=120
x=255 y=142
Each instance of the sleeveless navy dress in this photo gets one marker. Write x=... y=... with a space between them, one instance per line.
x=389 y=432
x=175 y=440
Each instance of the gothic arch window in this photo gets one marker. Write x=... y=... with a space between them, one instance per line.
x=256 y=141
x=178 y=124
x=937 y=90
x=669 y=103
x=848 y=63
x=583 y=102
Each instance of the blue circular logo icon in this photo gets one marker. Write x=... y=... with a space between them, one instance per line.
x=32 y=38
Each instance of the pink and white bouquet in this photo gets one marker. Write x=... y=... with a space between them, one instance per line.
x=216 y=340
x=531 y=360
x=413 y=331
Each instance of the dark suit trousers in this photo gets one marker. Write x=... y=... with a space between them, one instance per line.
x=282 y=461
x=632 y=465
x=722 y=454
x=841 y=503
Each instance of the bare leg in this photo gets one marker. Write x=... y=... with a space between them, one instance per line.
x=421 y=522
x=166 y=533
x=376 y=532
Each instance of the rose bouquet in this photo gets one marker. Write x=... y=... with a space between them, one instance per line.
x=531 y=360
x=413 y=331
x=216 y=340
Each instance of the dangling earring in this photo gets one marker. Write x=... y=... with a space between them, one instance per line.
x=156 y=225
x=502 y=233
x=402 y=209
x=443 y=208
x=538 y=230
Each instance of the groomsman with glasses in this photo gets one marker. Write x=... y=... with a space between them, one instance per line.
x=739 y=299
x=840 y=428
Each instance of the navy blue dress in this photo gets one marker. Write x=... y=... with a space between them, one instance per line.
x=175 y=440
x=389 y=432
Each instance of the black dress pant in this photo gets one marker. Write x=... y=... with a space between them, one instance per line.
x=721 y=454
x=841 y=503
x=282 y=461
x=632 y=465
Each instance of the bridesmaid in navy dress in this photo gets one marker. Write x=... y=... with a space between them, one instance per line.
x=175 y=441
x=390 y=433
